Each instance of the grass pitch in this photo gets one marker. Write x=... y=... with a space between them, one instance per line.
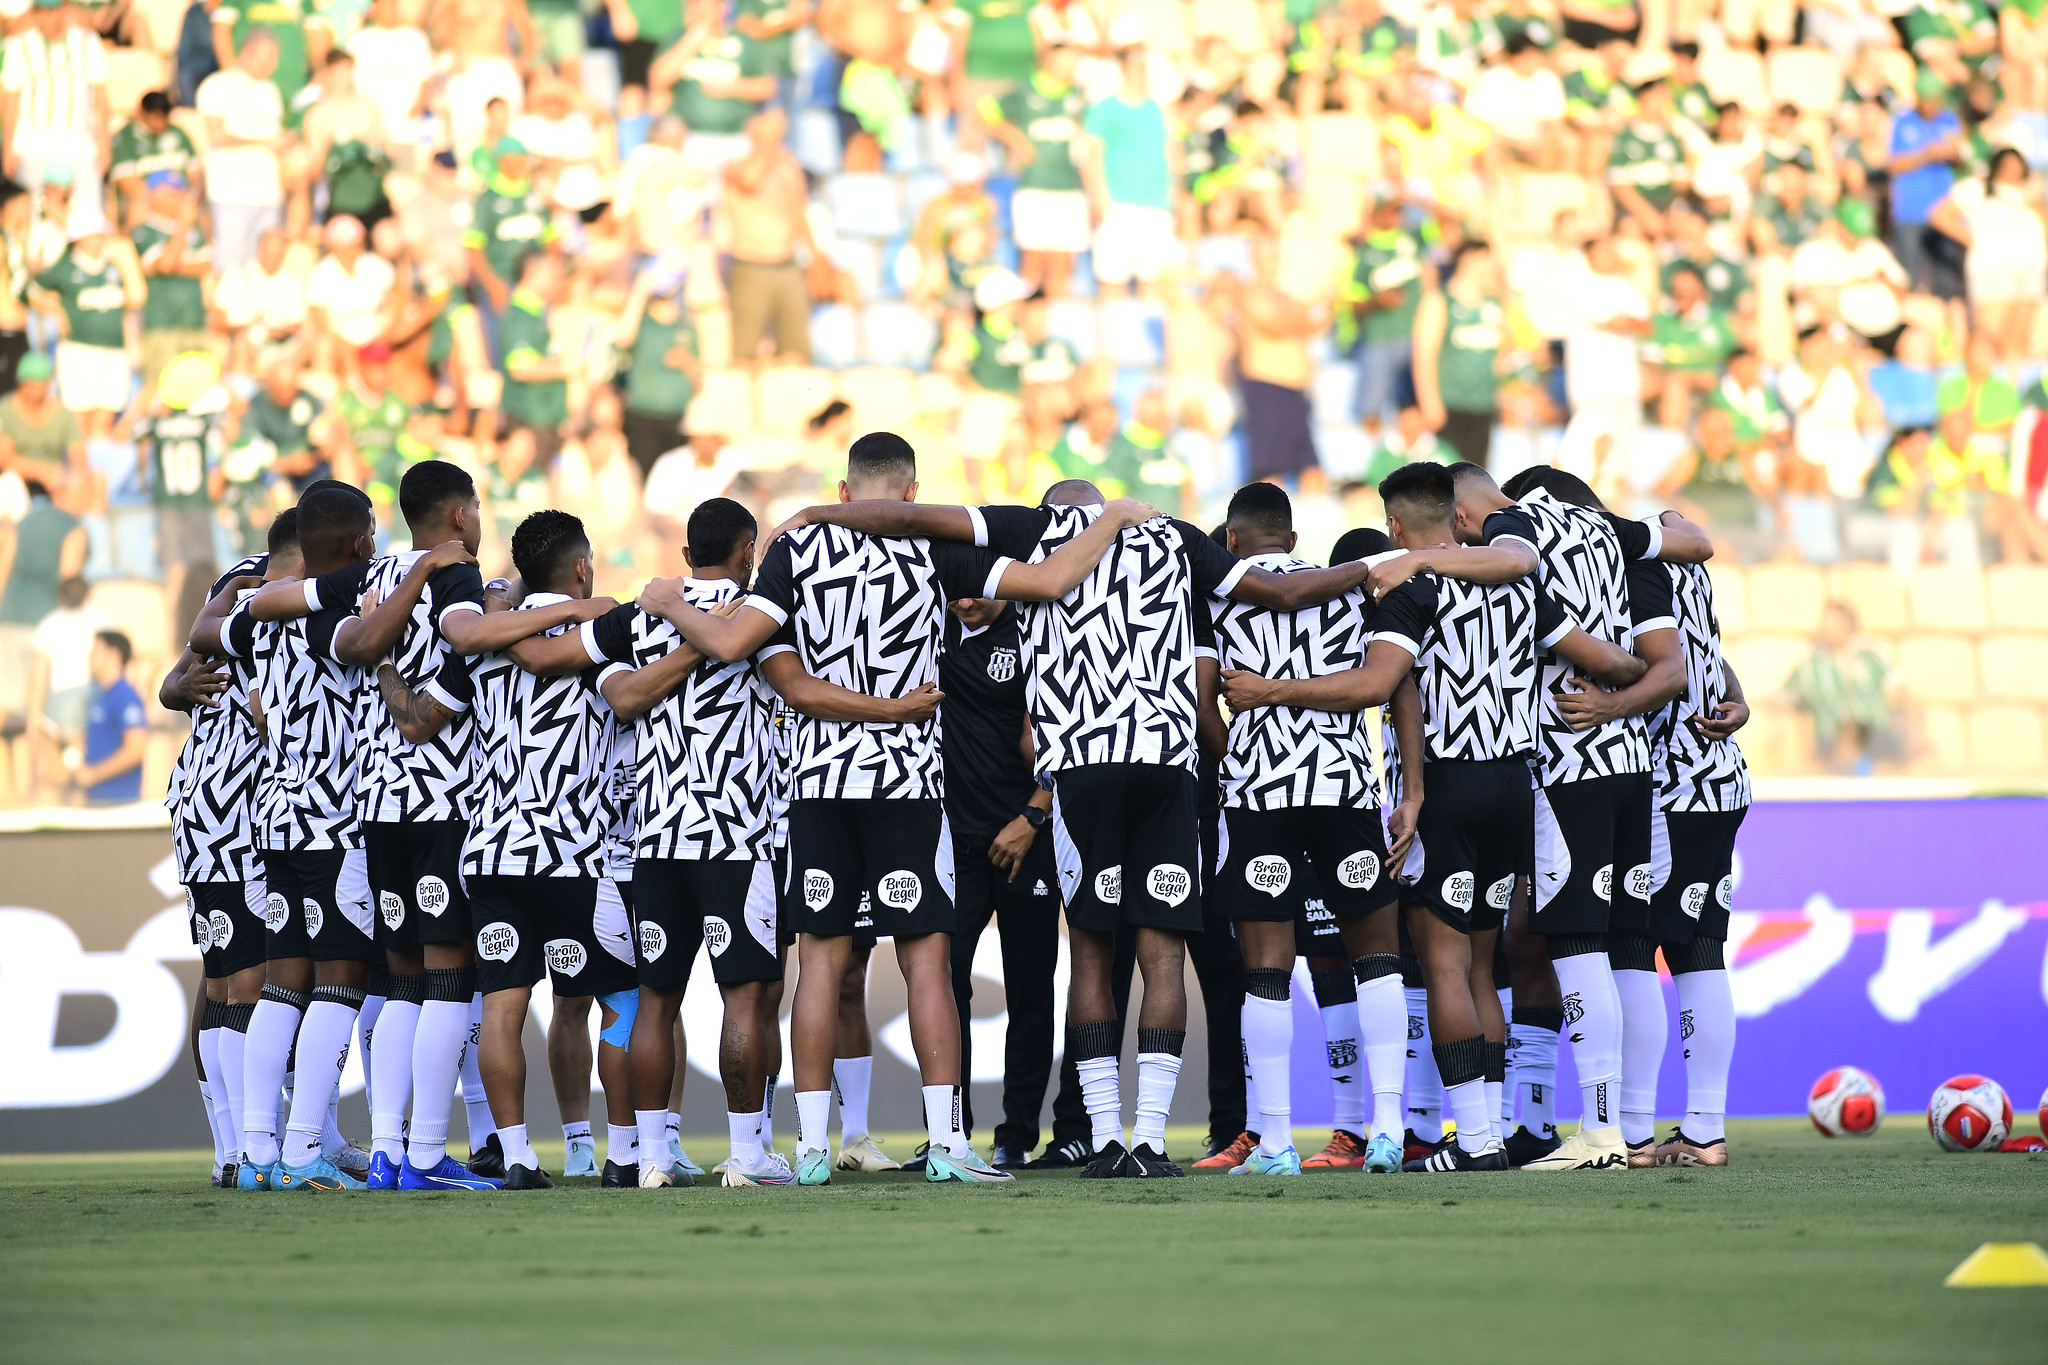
x=1805 y=1250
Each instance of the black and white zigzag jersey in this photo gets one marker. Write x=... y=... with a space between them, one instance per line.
x=703 y=751
x=1112 y=676
x=1693 y=773
x=543 y=758
x=1475 y=648
x=401 y=780
x=621 y=807
x=1283 y=756
x=212 y=786
x=781 y=731
x=866 y=614
x=306 y=798
x=1581 y=557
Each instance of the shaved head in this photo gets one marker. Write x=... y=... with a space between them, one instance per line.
x=1072 y=493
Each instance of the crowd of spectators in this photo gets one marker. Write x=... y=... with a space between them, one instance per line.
x=1778 y=265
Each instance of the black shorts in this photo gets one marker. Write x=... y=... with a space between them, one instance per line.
x=1692 y=873
x=1592 y=856
x=226 y=925
x=1127 y=848
x=416 y=879
x=1590 y=33
x=726 y=904
x=636 y=56
x=573 y=927
x=1270 y=862
x=1316 y=932
x=882 y=867
x=317 y=904
x=1471 y=840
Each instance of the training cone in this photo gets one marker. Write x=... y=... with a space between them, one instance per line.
x=2001 y=1265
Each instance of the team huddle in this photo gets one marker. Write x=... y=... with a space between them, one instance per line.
x=409 y=794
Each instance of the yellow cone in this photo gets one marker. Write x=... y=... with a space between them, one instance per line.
x=2001 y=1265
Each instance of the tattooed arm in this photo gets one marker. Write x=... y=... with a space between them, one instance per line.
x=418 y=715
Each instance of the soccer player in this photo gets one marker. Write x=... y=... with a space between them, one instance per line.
x=316 y=909
x=1004 y=869
x=1592 y=811
x=1301 y=808
x=533 y=858
x=1472 y=650
x=211 y=788
x=1693 y=705
x=1114 y=706
x=866 y=816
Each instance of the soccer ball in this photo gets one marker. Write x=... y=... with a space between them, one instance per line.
x=1846 y=1102
x=1969 y=1114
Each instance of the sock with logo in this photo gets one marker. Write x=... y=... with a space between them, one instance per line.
x=1337 y=1001
x=370 y=1015
x=652 y=1127
x=440 y=1040
x=1268 y=1023
x=272 y=1026
x=476 y=1105
x=1383 y=1027
x=852 y=1078
x=1706 y=1027
x=1462 y=1064
x=813 y=1115
x=620 y=1142
x=1093 y=1048
x=942 y=1119
x=1592 y=1015
x=324 y=1039
x=1644 y=1031
x=234 y=1036
x=768 y=1114
x=518 y=1150
x=1251 y=1085
x=1425 y=1087
x=744 y=1130
x=1532 y=1038
x=1158 y=1070
x=577 y=1132
x=331 y=1140
x=390 y=1063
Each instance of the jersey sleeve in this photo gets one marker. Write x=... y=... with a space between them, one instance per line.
x=320 y=628
x=1510 y=523
x=1214 y=569
x=238 y=632
x=967 y=570
x=339 y=588
x=1639 y=539
x=1405 y=614
x=774 y=592
x=1205 y=630
x=451 y=685
x=1011 y=531
x=458 y=587
x=1649 y=597
x=609 y=638
x=1552 y=624
x=782 y=642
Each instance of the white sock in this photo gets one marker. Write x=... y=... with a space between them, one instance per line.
x=1467 y=1102
x=440 y=1039
x=1157 y=1074
x=331 y=1140
x=652 y=1126
x=573 y=1132
x=1493 y=1103
x=476 y=1106
x=213 y=1096
x=272 y=1027
x=212 y=1120
x=745 y=1133
x=391 y=1076
x=941 y=1119
x=619 y=1144
x=813 y=1114
x=1251 y=1086
x=1269 y=1043
x=367 y=1019
x=1425 y=1086
x=229 y=1086
x=1706 y=1025
x=671 y=1130
x=324 y=1040
x=1383 y=1025
x=1104 y=1102
x=518 y=1151
x=1347 y=1066
x=1592 y=1012
x=852 y=1080
x=1644 y=1028
x=1533 y=1049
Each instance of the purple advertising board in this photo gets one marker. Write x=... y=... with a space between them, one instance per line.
x=1909 y=938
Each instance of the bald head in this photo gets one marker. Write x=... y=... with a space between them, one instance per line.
x=1072 y=493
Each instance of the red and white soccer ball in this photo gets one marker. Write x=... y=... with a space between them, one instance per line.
x=1969 y=1114
x=1847 y=1102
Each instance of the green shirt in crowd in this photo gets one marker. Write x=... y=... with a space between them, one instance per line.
x=1050 y=114
x=284 y=20
x=139 y=153
x=509 y=220
x=1725 y=280
x=1465 y=380
x=175 y=302
x=287 y=427
x=729 y=57
x=1998 y=402
x=523 y=336
x=778 y=54
x=92 y=296
x=998 y=352
x=184 y=448
x=1794 y=224
x=660 y=21
x=1695 y=342
x=1590 y=92
x=652 y=384
x=31 y=590
x=1137 y=457
x=1385 y=261
x=1000 y=44
x=1648 y=159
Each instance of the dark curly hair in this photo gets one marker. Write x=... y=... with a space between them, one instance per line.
x=544 y=547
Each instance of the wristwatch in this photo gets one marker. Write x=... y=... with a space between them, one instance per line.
x=1036 y=818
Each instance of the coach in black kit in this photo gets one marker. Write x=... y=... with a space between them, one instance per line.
x=1001 y=858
